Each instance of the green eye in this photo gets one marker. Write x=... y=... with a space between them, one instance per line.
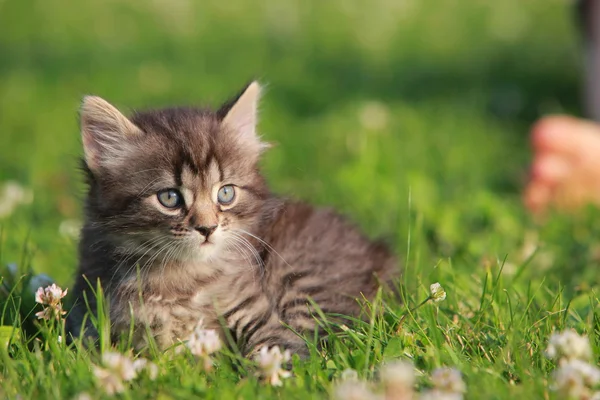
x=226 y=195
x=170 y=198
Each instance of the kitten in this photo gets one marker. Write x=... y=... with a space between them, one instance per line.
x=180 y=226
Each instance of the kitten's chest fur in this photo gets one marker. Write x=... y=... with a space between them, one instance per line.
x=168 y=305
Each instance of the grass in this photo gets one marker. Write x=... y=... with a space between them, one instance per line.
x=409 y=116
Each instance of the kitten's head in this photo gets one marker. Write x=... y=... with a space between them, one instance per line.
x=178 y=184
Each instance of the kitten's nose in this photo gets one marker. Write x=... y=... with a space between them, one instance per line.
x=206 y=230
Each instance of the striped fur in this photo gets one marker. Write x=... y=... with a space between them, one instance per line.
x=252 y=276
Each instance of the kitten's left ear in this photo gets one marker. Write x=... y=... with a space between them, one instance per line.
x=241 y=116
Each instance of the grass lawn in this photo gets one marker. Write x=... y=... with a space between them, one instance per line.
x=410 y=116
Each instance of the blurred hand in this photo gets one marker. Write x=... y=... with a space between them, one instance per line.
x=565 y=173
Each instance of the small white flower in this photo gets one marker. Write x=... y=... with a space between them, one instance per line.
x=141 y=364
x=70 y=228
x=269 y=361
x=116 y=369
x=11 y=195
x=590 y=373
x=569 y=382
x=398 y=379
x=83 y=396
x=50 y=295
x=18 y=193
x=49 y=313
x=120 y=364
x=109 y=381
x=374 y=115
x=51 y=298
x=437 y=292
x=448 y=380
x=574 y=377
x=569 y=345
x=354 y=390
x=204 y=342
x=349 y=375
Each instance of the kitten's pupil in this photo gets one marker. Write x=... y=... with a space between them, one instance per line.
x=170 y=198
x=226 y=194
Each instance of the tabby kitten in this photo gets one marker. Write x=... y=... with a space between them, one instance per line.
x=180 y=226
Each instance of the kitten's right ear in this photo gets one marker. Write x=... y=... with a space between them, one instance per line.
x=103 y=129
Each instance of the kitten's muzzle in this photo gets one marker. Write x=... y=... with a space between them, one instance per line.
x=206 y=231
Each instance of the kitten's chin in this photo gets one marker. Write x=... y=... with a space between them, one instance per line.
x=205 y=252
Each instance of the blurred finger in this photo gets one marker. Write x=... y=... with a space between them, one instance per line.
x=550 y=169
x=564 y=134
x=537 y=197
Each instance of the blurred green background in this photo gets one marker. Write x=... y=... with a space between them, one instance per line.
x=411 y=116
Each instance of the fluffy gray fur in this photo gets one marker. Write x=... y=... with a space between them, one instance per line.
x=251 y=263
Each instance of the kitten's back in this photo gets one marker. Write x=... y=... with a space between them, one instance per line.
x=320 y=254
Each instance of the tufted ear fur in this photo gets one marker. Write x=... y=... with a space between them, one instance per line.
x=241 y=116
x=103 y=130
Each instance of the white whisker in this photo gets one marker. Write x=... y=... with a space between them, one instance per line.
x=151 y=243
x=269 y=247
x=246 y=244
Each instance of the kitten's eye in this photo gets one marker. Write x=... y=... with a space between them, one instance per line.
x=226 y=194
x=170 y=198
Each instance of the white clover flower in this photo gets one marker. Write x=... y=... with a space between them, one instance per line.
x=141 y=364
x=354 y=390
x=437 y=292
x=83 y=396
x=349 y=375
x=269 y=362
x=11 y=195
x=569 y=345
x=50 y=295
x=448 y=380
x=569 y=382
x=49 y=313
x=374 y=115
x=70 y=228
x=117 y=369
x=398 y=379
x=588 y=374
x=17 y=193
x=51 y=298
x=574 y=377
x=109 y=381
x=120 y=364
x=204 y=342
